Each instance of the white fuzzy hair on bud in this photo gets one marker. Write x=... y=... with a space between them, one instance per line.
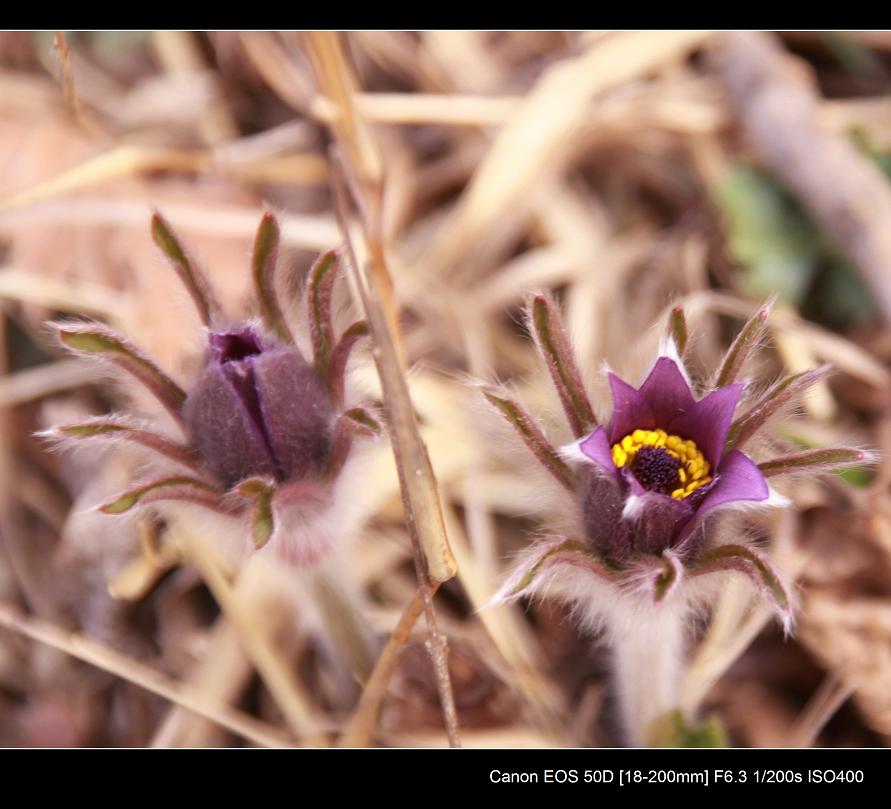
x=572 y=453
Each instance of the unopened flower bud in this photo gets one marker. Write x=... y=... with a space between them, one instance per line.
x=258 y=409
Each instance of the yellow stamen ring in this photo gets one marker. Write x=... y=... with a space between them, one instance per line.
x=693 y=471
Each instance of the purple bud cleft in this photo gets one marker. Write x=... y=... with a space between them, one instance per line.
x=258 y=409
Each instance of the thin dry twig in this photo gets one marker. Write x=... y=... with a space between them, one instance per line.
x=359 y=730
x=364 y=171
x=67 y=74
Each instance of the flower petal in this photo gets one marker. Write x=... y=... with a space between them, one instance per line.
x=296 y=412
x=631 y=410
x=654 y=519
x=667 y=393
x=602 y=504
x=226 y=433
x=738 y=479
x=596 y=448
x=709 y=422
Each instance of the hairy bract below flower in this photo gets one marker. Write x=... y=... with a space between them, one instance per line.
x=643 y=490
x=262 y=435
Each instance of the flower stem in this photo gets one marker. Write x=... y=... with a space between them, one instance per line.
x=648 y=652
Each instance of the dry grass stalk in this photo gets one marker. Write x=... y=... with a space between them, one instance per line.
x=825 y=702
x=180 y=54
x=305 y=231
x=541 y=129
x=360 y=729
x=623 y=227
x=129 y=160
x=67 y=75
x=224 y=669
x=44 y=380
x=101 y=656
x=278 y=675
x=362 y=161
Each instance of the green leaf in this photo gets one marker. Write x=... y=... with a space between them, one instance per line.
x=839 y=300
x=363 y=420
x=337 y=364
x=783 y=251
x=677 y=329
x=666 y=579
x=853 y=56
x=859 y=478
x=170 y=488
x=745 y=560
x=550 y=337
x=321 y=290
x=740 y=349
x=263 y=264
x=769 y=235
x=824 y=458
x=532 y=437
x=673 y=730
x=774 y=399
x=262 y=520
x=111 y=428
x=97 y=341
x=192 y=277
x=353 y=423
x=572 y=552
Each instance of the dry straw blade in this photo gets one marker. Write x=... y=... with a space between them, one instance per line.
x=542 y=126
x=363 y=164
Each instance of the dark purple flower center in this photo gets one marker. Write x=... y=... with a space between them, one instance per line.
x=656 y=469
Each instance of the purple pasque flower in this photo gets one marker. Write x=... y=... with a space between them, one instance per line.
x=664 y=465
x=643 y=488
x=262 y=435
